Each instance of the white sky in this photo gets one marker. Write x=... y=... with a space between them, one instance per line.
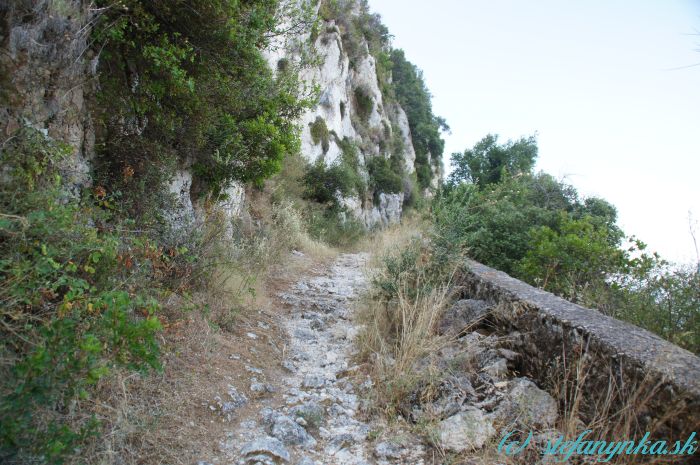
x=596 y=79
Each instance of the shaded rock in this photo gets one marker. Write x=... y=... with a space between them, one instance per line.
x=387 y=450
x=527 y=405
x=291 y=433
x=313 y=381
x=289 y=366
x=497 y=369
x=466 y=431
x=266 y=446
x=462 y=315
x=316 y=324
x=306 y=460
x=304 y=334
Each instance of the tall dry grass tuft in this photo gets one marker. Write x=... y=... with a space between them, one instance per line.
x=396 y=337
x=400 y=314
x=393 y=238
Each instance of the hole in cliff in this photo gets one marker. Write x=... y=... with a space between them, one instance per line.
x=283 y=65
x=342 y=110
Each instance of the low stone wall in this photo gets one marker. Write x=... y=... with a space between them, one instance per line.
x=552 y=333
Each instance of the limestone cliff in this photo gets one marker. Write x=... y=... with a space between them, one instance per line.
x=352 y=108
x=48 y=75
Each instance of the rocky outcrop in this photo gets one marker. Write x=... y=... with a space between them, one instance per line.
x=48 y=73
x=353 y=110
x=45 y=76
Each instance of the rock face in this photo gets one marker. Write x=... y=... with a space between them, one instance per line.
x=45 y=81
x=45 y=70
x=371 y=126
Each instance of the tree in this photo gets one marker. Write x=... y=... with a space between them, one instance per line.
x=415 y=99
x=488 y=162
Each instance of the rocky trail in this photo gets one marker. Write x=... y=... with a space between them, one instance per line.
x=310 y=415
x=308 y=410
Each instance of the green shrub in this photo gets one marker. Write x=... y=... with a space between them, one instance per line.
x=67 y=298
x=334 y=227
x=363 y=103
x=319 y=133
x=322 y=183
x=383 y=177
x=191 y=85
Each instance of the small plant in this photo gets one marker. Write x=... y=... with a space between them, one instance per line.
x=363 y=103
x=383 y=177
x=320 y=134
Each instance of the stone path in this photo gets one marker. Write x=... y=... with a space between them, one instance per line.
x=312 y=417
x=309 y=415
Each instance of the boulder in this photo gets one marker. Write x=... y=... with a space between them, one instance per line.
x=466 y=431
x=527 y=405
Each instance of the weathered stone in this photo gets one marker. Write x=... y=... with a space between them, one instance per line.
x=466 y=431
x=313 y=381
x=387 y=450
x=527 y=405
x=462 y=315
x=291 y=433
x=269 y=446
x=550 y=328
x=497 y=369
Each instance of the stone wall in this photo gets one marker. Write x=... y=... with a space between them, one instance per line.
x=552 y=333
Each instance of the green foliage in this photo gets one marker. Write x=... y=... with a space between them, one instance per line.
x=571 y=261
x=190 y=84
x=413 y=95
x=493 y=223
x=363 y=103
x=537 y=229
x=334 y=227
x=383 y=177
x=667 y=302
x=489 y=163
x=324 y=183
x=319 y=133
x=68 y=316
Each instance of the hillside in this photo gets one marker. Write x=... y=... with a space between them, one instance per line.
x=226 y=236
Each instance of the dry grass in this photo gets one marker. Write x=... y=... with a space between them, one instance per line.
x=393 y=238
x=397 y=340
x=618 y=412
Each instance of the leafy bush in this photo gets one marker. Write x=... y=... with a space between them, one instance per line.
x=191 y=85
x=319 y=133
x=323 y=184
x=489 y=163
x=364 y=103
x=539 y=230
x=383 y=177
x=70 y=308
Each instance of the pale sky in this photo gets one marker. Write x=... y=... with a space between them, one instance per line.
x=606 y=84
